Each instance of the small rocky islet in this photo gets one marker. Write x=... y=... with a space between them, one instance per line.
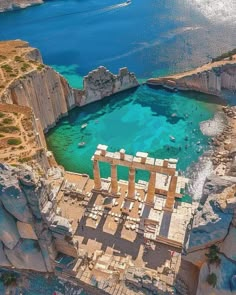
x=54 y=230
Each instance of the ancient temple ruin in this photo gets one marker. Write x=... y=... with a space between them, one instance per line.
x=156 y=167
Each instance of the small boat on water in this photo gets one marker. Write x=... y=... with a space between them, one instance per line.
x=81 y=144
x=128 y=1
x=172 y=138
x=84 y=125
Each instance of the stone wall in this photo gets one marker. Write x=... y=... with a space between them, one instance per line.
x=29 y=224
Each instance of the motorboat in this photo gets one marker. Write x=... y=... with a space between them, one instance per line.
x=81 y=144
x=172 y=138
x=84 y=125
x=128 y=1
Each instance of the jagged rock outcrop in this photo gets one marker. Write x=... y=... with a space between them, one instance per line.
x=212 y=78
x=26 y=238
x=100 y=83
x=6 y=5
x=214 y=224
x=27 y=82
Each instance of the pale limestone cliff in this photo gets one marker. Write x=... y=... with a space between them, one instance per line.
x=101 y=83
x=27 y=82
x=6 y=5
x=212 y=78
x=29 y=224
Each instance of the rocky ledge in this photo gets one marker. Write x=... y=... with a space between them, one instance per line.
x=6 y=5
x=213 y=78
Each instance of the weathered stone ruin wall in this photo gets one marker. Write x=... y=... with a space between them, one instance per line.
x=29 y=224
x=210 y=80
x=6 y=5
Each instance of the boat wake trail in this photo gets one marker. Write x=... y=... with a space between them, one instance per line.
x=84 y=12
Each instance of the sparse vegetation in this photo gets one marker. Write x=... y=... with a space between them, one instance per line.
x=8 y=279
x=14 y=141
x=2 y=57
x=25 y=67
x=9 y=129
x=212 y=279
x=7 y=121
x=24 y=160
x=40 y=67
x=7 y=68
x=228 y=54
x=2 y=115
x=212 y=255
x=1 y=135
x=18 y=59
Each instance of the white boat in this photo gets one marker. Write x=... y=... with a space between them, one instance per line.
x=84 y=125
x=82 y=143
x=172 y=138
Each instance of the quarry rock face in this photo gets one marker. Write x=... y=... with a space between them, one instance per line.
x=6 y=5
x=26 y=240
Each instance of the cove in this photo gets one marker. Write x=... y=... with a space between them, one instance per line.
x=136 y=120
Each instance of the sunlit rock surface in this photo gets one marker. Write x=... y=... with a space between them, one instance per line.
x=6 y=5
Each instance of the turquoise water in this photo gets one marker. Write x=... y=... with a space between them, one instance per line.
x=149 y=37
x=140 y=120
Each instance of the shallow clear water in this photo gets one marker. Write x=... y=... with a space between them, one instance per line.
x=140 y=120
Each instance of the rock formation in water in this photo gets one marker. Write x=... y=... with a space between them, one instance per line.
x=212 y=78
x=27 y=82
x=101 y=83
x=6 y=5
x=31 y=232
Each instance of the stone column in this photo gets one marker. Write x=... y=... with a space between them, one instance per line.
x=114 y=183
x=96 y=175
x=131 y=184
x=151 y=188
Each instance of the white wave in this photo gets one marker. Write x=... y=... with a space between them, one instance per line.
x=198 y=175
x=216 y=10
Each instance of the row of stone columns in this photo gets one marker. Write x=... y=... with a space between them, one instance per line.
x=131 y=182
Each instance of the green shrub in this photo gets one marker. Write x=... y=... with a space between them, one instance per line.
x=24 y=160
x=2 y=115
x=1 y=135
x=18 y=59
x=8 y=129
x=225 y=55
x=14 y=141
x=2 y=57
x=7 y=121
x=212 y=279
x=8 y=279
x=212 y=255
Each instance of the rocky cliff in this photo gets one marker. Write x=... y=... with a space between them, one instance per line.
x=26 y=81
x=29 y=224
x=211 y=240
x=6 y=5
x=212 y=78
